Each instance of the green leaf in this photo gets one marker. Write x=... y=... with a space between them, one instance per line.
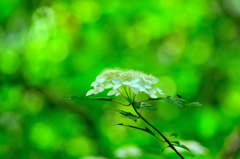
x=127 y=114
x=149 y=131
x=146 y=129
x=177 y=101
x=174 y=134
x=175 y=142
x=164 y=148
x=74 y=97
x=183 y=146
x=195 y=104
x=144 y=105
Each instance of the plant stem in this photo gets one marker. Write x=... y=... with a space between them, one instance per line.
x=121 y=103
x=170 y=145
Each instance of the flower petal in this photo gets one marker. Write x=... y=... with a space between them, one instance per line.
x=100 y=79
x=117 y=93
x=109 y=85
x=151 y=91
x=112 y=92
x=135 y=90
x=116 y=86
x=90 y=92
x=143 y=78
x=135 y=80
x=95 y=83
x=147 y=86
x=116 y=80
x=135 y=85
x=153 y=96
x=127 y=83
x=100 y=89
x=158 y=90
x=142 y=89
x=96 y=91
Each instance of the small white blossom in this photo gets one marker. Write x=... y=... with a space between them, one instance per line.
x=132 y=83
x=152 y=93
x=117 y=83
x=99 y=86
x=159 y=91
x=112 y=92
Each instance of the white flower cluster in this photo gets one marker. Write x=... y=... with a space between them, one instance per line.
x=117 y=79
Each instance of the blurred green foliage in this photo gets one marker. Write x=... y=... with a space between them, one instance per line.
x=49 y=49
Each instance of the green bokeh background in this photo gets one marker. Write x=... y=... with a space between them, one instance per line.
x=53 y=48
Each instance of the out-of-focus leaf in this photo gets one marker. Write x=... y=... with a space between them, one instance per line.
x=174 y=134
x=149 y=131
x=144 y=105
x=177 y=101
x=164 y=148
x=195 y=104
x=175 y=142
x=146 y=129
x=74 y=97
x=127 y=114
x=183 y=146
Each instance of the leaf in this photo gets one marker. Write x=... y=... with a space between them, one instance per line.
x=74 y=97
x=144 y=105
x=195 y=104
x=149 y=131
x=164 y=148
x=175 y=142
x=174 y=134
x=183 y=146
x=176 y=101
x=146 y=129
x=127 y=114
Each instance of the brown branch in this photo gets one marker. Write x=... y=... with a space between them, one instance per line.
x=121 y=103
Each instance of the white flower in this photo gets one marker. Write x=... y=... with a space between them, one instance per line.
x=159 y=91
x=152 y=93
x=151 y=82
x=114 y=91
x=117 y=83
x=144 y=86
x=117 y=79
x=133 y=83
x=99 y=86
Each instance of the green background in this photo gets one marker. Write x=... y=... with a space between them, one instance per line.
x=53 y=48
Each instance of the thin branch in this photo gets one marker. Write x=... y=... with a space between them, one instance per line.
x=121 y=103
x=159 y=138
x=130 y=92
x=170 y=145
